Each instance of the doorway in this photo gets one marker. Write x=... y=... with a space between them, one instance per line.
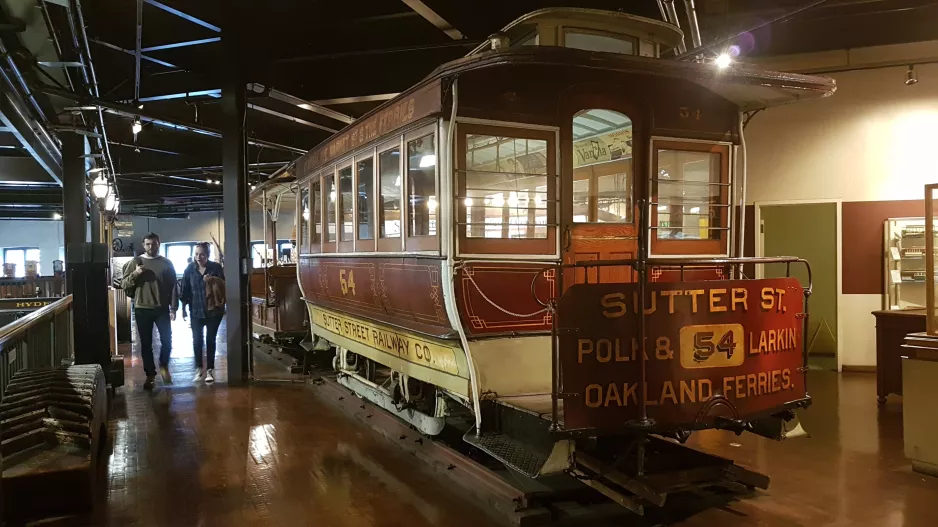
x=810 y=231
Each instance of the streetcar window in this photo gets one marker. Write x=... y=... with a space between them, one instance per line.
x=316 y=214
x=329 y=195
x=691 y=194
x=346 y=202
x=366 y=186
x=304 y=219
x=506 y=187
x=602 y=167
x=598 y=41
x=421 y=186
x=389 y=169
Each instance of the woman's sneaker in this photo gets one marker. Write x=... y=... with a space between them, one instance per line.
x=209 y=376
x=148 y=384
x=198 y=375
x=167 y=378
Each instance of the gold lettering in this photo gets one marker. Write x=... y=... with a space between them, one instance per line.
x=740 y=386
x=700 y=389
x=667 y=392
x=694 y=293
x=619 y=356
x=631 y=392
x=688 y=392
x=763 y=382
x=775 y=381
x=786 y=379
x=603 y=350
x=751 y=385
x=597 y=399
x=739 y=296
x=768 y=298
x=615 y=303
x=612 y=395
x=715 y=298
x=670 y=293
x=772 y=340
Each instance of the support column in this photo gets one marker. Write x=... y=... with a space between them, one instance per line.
x=74 y=191
x=235 y=194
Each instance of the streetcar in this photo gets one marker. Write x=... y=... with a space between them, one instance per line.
x=545 y=237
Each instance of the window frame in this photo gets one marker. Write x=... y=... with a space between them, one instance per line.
x=310 y=247
x=508 y=246
x=430 y=242
x=690 y=247
x=25 y=249
x=360 y=244
x=344 y=246
x=390 y=244
x=304 y=243
x=563 y=30
x=327 y=246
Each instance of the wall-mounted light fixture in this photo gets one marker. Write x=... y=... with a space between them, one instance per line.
x=910 y=76
x=100 y=188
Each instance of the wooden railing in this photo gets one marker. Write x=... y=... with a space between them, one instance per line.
x=40 y=286
x=41 y=339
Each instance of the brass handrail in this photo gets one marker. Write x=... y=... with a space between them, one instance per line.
x=14 y=329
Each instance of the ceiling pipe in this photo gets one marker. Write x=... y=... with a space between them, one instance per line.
x=77 y=25
x=664 y=12
x=692 y=24
x=672 y=15
x=132 y=112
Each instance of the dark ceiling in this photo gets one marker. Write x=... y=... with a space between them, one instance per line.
x=316 y=52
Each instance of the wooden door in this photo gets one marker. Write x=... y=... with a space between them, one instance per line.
x=603 y=224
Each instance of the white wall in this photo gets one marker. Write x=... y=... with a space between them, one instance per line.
x=48 y=235
x=874 y=139
x=201 y=226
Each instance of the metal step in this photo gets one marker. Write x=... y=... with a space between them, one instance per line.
x=513 y=453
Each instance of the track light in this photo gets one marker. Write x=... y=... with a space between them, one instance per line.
x=910 y=76
x=137 y=126
x=723 y=60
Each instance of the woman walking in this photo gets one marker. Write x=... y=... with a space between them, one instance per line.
x=203 y=290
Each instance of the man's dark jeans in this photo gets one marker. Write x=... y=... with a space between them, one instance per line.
x=146 y=319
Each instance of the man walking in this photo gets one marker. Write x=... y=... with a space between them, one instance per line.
x=152 y=279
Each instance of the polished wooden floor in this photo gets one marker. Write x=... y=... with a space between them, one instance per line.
x=270 y=454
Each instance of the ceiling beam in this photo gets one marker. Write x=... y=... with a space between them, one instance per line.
x=356 y=99
x=133 y=53
x=296 y=120
x=300 y=103
x=381 y=51
x=183 y=16
x=138 y=50
x=175 y=124
x=431 y=16
x=215 y=93
x=183 y=44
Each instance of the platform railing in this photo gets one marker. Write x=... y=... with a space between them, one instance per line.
x=41 y=339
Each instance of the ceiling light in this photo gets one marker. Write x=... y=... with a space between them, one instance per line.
x=723 y=60
x=662 y=208
x=56 y=216
x=112 y=203
x=253 y=187
x=695 y=210
x=499 y=200
x=431 y=203
x=910 y=76
x=100 y=188
x=332 y=196
x=136 y=127
x=468 y=202
x=397 y=182
x=428 y=161
x=306 y=214
x=97 y=169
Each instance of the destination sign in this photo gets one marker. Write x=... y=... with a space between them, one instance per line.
x=714 y=348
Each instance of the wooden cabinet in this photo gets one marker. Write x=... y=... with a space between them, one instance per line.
x=891 y=329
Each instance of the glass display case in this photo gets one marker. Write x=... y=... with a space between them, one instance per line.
x=905 y=263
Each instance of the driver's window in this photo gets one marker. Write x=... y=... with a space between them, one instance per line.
x=602 y=167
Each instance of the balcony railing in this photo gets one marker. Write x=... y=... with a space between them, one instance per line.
x=41 y=339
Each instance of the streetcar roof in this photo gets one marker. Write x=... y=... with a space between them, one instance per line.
x=661 y=32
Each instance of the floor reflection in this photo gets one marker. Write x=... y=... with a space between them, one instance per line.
x=271 y=454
